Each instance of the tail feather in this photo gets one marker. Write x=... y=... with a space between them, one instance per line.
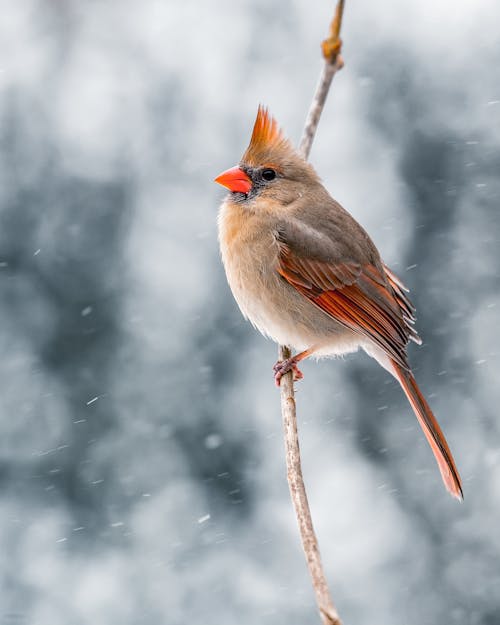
x=432 y=431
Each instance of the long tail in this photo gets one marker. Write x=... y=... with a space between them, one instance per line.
x=432 y=431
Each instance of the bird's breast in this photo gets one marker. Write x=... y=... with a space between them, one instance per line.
x=250 y=254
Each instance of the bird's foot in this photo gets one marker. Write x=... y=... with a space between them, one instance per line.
x=284 y=366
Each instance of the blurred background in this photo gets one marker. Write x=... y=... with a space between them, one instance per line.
x=142 y=475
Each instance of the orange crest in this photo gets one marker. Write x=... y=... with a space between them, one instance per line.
x=266 y=131
x=267 y=139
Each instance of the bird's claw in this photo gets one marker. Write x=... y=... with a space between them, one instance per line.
x=284 y=366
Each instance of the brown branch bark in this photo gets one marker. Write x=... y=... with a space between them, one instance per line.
x=331 y=48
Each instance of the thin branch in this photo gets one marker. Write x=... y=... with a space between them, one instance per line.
x=331 y=48
x=324 y=601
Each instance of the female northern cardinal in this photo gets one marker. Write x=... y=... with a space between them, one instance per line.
x=306 y=274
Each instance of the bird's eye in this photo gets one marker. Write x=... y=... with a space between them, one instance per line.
x=268 y=174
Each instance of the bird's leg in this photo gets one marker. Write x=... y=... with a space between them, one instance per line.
x=290 y=364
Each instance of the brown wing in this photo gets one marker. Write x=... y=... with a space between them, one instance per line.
x=369 y=300
x=347 y=280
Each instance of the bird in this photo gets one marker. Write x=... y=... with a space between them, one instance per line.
x=306 y=274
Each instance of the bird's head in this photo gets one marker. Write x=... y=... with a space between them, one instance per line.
x=270 y=168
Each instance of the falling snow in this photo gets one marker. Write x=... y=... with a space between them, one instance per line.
x=134 y=398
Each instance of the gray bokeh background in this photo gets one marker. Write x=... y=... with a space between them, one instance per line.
x=141 y=458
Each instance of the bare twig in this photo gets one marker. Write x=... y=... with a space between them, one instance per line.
x=333 y=62
x=326 y=606
x=331 y=48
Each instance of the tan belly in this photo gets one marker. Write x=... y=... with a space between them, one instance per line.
x=272 y=305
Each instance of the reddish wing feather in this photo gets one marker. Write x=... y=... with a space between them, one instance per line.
x=407 y=308
x=358 y=297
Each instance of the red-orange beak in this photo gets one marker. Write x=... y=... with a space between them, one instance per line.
x=235 y=179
